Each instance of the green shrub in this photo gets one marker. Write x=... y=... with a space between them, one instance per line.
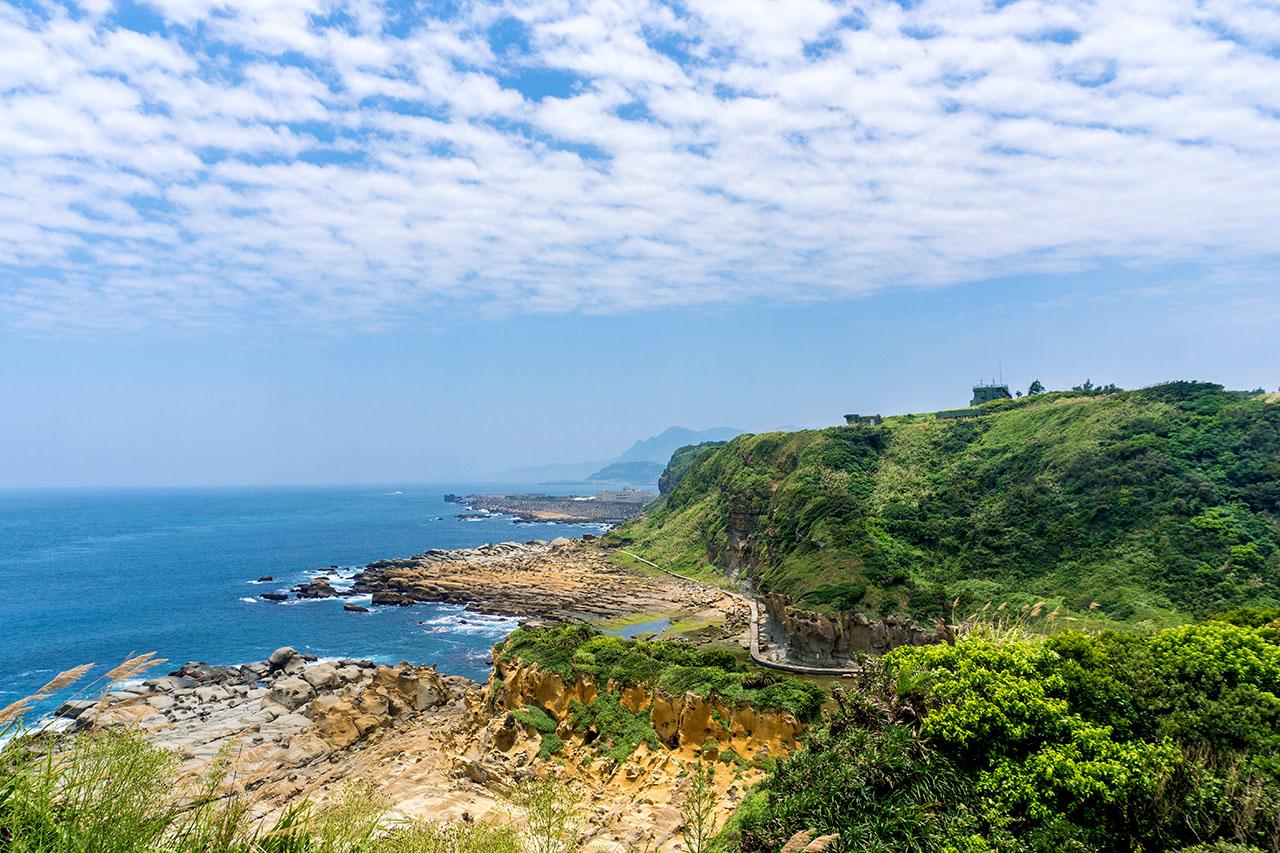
x=535 y=717
x=1106 y=742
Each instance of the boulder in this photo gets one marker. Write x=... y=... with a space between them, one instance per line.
x=212 y=693
x=383 y=597
x=265 y=579
x=286 y=660
x=322 y=676
x=72 y=710
x=290 y=692
x=275 y=596
x=170 y=683
x=355 y=608
x=317 y=588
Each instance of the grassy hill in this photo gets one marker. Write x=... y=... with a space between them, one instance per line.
x=1154 y=505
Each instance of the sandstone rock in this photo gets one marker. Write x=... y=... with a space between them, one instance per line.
x=322 y=676
x=290 y=692
x=391 y=598
x=354 y=608
x=275 y=596
x=170 y=683
x=72 y=710
x=212 y=693
x=833 y=638
x=281 y=657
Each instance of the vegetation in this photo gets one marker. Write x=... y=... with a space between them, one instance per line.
x=1154 y=506
x=115 y=793
x=680 y=463
x=551 y=811
x=672 y=668
x=1106 y=742
x=698 y=809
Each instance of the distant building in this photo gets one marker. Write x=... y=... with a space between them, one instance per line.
x=983 y=393
x=626 y=495
x=862 y=420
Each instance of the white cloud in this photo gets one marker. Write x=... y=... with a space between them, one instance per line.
x=352 y=164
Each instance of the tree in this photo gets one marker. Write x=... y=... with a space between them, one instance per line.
x=1036 y=388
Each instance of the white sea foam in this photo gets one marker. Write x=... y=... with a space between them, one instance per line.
x=249 y=600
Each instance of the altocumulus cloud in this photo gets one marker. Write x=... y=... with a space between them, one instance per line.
x=197 y=164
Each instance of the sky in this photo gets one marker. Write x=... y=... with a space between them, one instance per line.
x=303 y=241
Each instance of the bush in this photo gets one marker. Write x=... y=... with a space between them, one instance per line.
x=1107 y=742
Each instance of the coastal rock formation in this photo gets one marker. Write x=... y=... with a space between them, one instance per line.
x=834 y=638
x=685 y=724
x=317 y=588
x=565 y=580
x=438 y=747
x=607 y=507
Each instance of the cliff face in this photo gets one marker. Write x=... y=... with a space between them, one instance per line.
x=1150 y=506
x=832 y=638
x=684 y=724
x=679 y=464
x=823 y=638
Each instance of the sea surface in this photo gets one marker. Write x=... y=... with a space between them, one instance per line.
x=98 y=575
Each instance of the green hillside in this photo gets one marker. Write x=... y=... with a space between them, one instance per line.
x=1153 y=505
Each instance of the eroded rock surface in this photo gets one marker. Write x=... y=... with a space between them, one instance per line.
x=438 y=747
x=834 y=638
x=563 y=579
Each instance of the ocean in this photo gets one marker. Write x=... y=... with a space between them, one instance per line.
x=98 y=575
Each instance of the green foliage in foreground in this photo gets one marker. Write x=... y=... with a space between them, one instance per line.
x=115 y=793
x=674 y=668
x=1074 y=742
x=1160 y=505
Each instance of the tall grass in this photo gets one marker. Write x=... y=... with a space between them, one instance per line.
x=112 y=792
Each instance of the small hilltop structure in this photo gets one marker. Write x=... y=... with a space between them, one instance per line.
x=983 y=393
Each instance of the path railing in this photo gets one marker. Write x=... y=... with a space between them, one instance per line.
x=785 y=666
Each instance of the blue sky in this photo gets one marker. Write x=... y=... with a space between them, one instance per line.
x=319 y=241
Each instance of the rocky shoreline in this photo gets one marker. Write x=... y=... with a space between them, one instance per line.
x=532 y=509
x=562 y=580
x=437 y=747
x=443 y=747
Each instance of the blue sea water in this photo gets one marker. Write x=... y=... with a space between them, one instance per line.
x=95 y=575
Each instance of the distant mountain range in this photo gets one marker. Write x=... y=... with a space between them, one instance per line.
x=639 y=464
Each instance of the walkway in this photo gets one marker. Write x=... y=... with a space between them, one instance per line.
x=756 y=656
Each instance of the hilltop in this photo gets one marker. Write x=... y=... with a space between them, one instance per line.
x=1153 y=506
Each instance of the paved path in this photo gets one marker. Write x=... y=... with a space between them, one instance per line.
x=756 y=656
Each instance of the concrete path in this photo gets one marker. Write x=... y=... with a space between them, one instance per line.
x=756 y=656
